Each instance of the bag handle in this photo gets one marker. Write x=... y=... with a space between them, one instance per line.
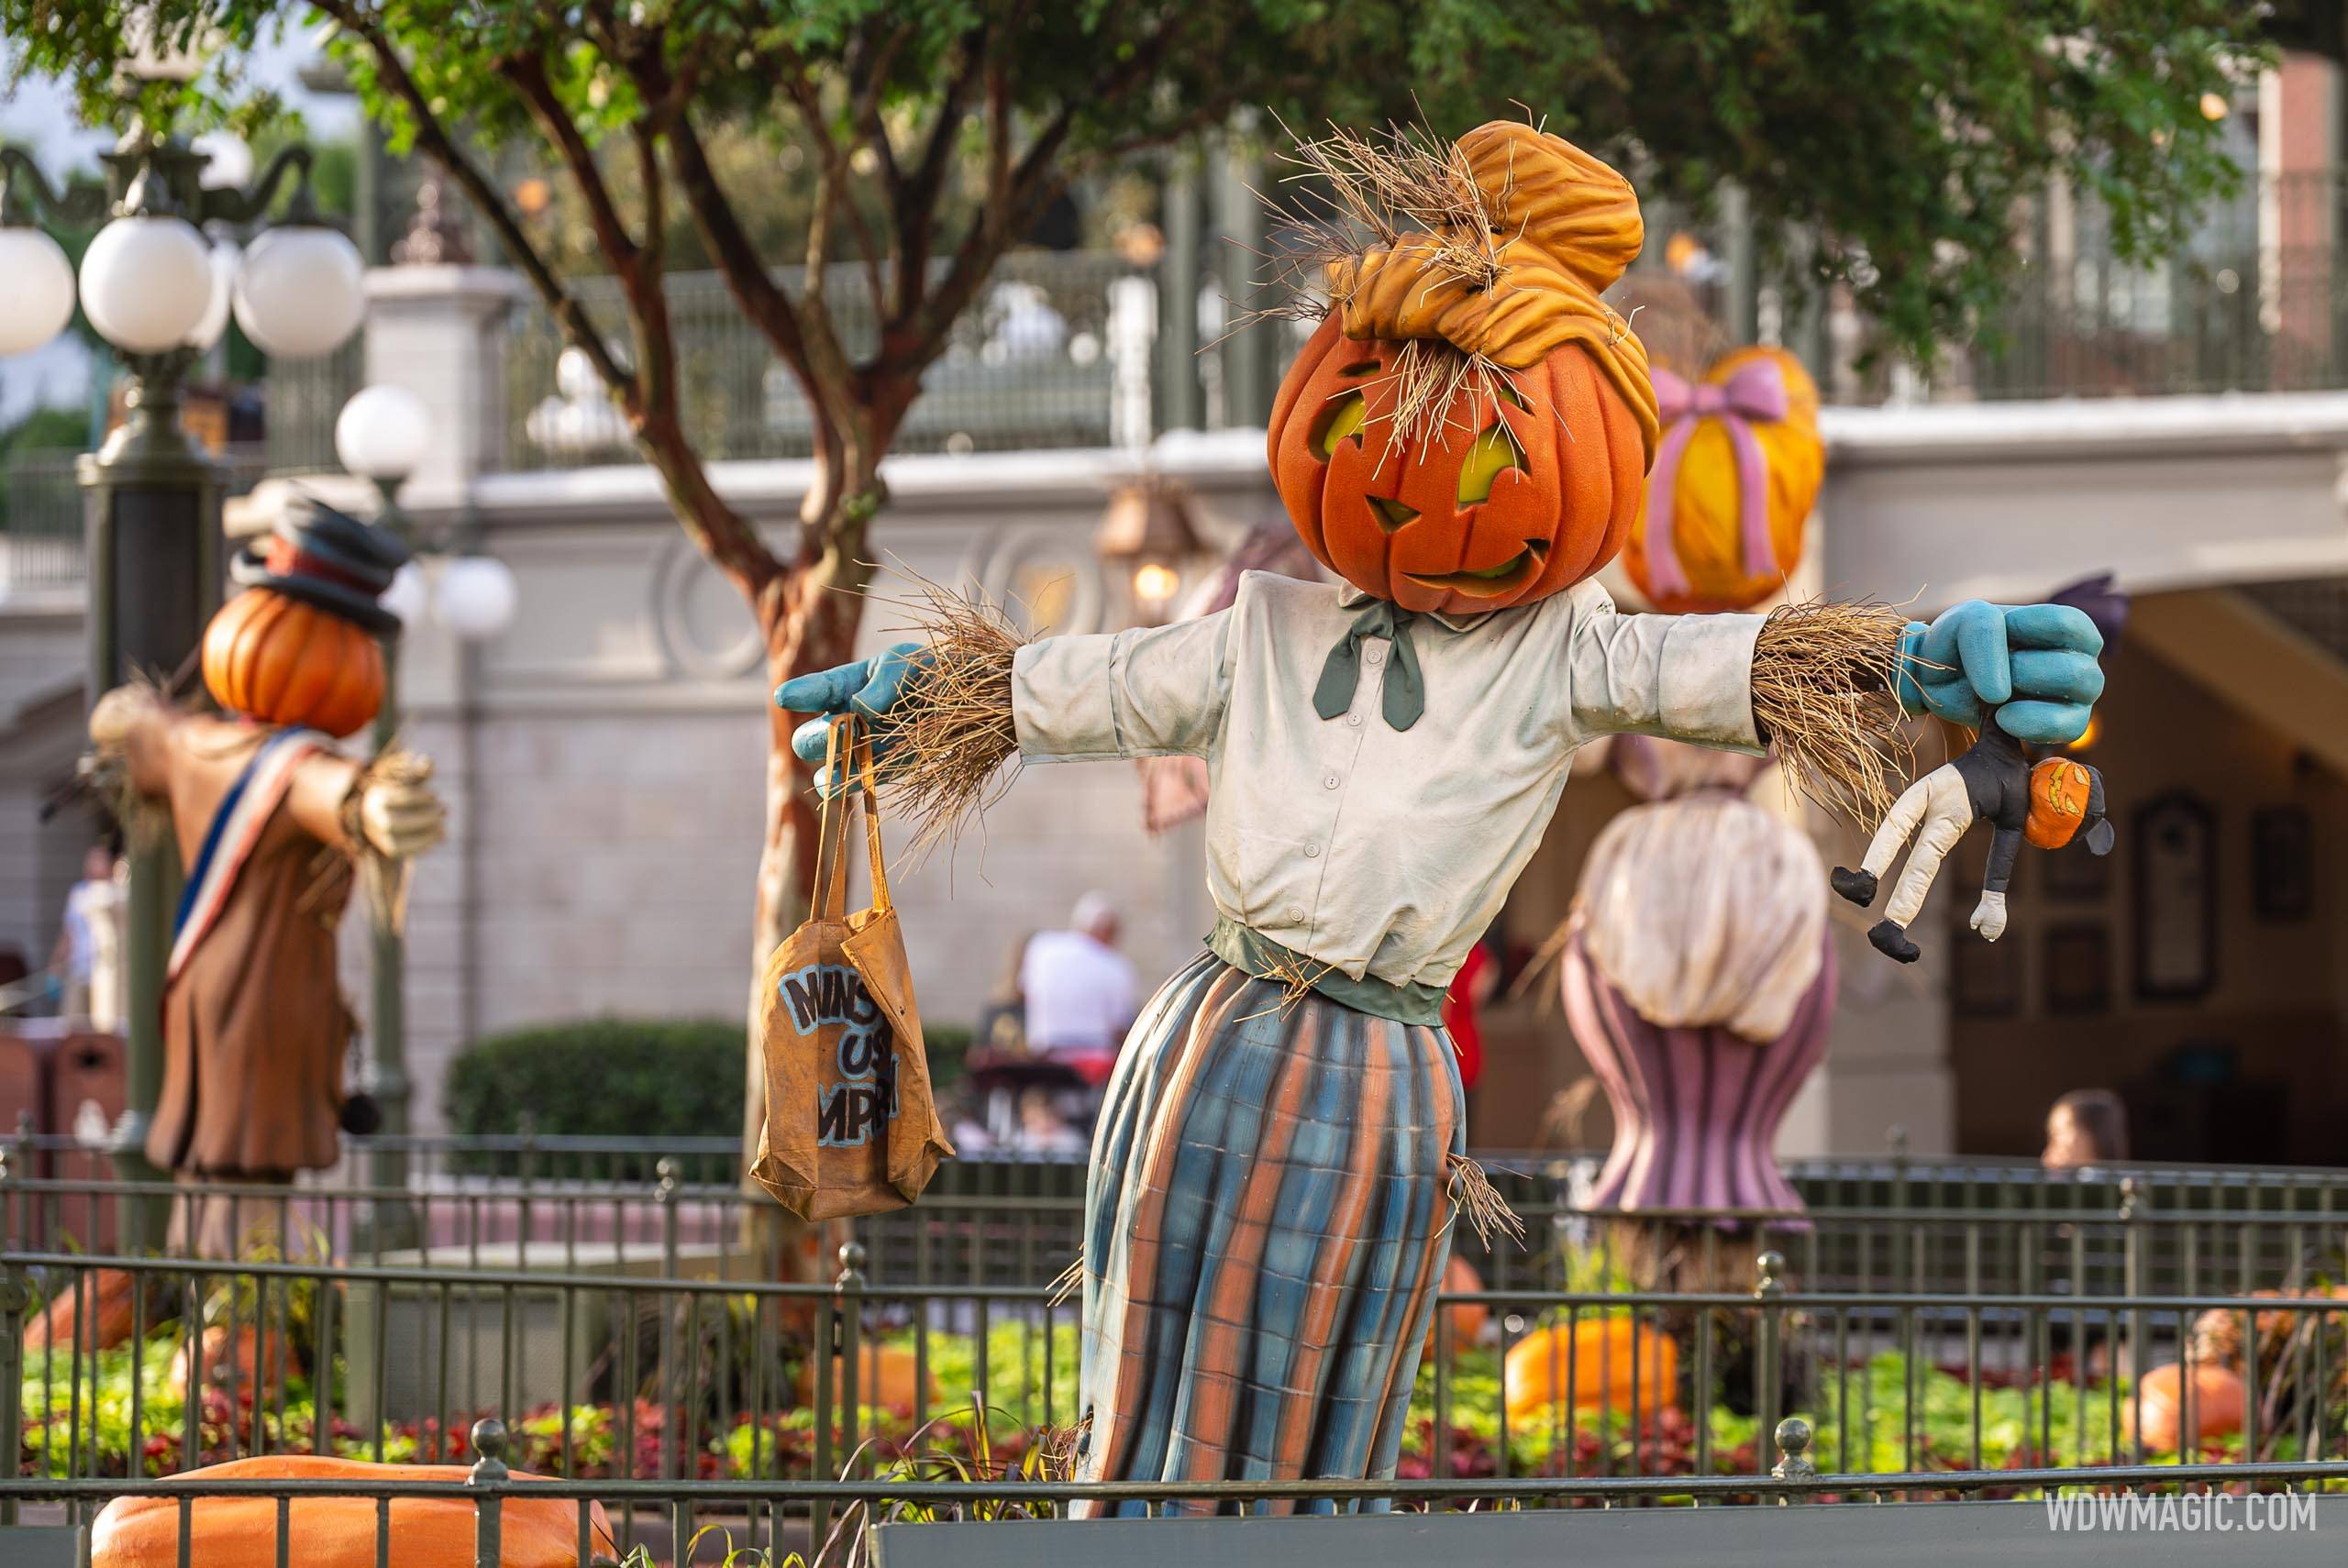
x=847 y=742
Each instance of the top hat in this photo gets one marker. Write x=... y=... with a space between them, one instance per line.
x=329 y=560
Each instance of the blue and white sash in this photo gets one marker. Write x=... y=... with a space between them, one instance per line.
x=236 y=827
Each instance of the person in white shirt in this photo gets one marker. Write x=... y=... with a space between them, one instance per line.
x=1081 y=992
x=1282 y=1153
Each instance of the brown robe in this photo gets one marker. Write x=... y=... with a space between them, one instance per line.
x=255 y=1028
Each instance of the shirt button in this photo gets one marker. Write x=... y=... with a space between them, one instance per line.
x=1331 y=782
x=1311 y=852
x=1296 y=917
x=1354 y=719
x=1374 y=654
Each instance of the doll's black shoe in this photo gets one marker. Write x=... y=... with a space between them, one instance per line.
x=1856 y=886
x=1891 y=939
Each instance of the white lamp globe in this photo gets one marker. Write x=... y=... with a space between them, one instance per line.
x=383 y=433
x=147 y=282
x=223 y=259
x=407 y=595
x=476 y=597
x=575 y=376
x=301 y=292
x=40 y=290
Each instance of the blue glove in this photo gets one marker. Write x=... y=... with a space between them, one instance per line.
x=2034 y=665
x=869 y=686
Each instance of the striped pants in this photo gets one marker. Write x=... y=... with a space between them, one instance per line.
x=1267 y=1225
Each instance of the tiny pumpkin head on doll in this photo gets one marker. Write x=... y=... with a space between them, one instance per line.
x=1469 y=428
x=300 y=647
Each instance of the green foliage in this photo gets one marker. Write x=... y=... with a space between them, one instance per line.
x=602 y=1078
x=1901 y=131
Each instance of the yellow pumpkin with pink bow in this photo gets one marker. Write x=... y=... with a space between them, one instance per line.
x=1736 y=475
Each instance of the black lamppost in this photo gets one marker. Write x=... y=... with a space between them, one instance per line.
x=161 y=288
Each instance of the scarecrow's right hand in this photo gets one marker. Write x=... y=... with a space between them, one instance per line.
x=869 y=688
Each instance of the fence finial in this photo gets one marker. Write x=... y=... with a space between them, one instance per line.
x=667 y=1169
x=1768 y=1266
x=851 y=1265
x=2129 y=1195
x=1793 y=1451
x=489 y=1443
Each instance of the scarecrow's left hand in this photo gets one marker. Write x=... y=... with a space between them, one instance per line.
x=2033 y=665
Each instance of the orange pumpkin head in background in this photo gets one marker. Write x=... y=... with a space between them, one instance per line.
x=1736 y=475
x=299 y=645
x=1465 y=440
x=284 y=662
x=2062 y=793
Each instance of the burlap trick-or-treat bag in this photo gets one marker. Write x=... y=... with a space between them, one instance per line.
x=850 y=1126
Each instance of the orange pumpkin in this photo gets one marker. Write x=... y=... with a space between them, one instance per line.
x=109 y=1296
x=2218 y=1401
x=1468 y=1318
x=1707 y=535
x=1613 y=1362
x=2058 y=801
x=1509 y=501
x=885 y=1378
x=283 y=661
x=339 y=1532
x=1524 y=476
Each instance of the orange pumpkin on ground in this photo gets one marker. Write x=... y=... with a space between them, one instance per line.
x=110 y=1296
x=884 y=1379
x=1613 y=1363
x=1468 y=1318
x=1707 y=491
x=2058 y=801
x=339 y=1532
x=282 y=661
x=2218 y=1401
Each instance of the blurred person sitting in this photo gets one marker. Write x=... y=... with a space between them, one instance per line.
x=2086 y=1127
x=1081 y=993
x=1003 y=1026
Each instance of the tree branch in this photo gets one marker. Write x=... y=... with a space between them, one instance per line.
x=577 y=329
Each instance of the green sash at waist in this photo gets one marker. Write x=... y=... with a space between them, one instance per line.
x=1250 y=951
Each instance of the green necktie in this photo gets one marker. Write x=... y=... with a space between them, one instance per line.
x=1405 y=697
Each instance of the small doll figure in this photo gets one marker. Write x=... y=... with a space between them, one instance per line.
x=1992 y=782
x=1463 y=444
x=271 y=821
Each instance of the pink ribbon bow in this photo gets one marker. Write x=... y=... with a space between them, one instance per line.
x=1756 y=391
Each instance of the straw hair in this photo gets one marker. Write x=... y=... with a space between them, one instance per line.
x=1482 y=257
x=944 y=741
x=1823 y=676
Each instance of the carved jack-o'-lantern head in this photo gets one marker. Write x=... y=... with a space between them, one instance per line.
x=1520 y=491
x=2060 y=790
x=1470 y=427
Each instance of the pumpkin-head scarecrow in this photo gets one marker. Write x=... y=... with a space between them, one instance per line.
x=1463 y=442
x=255 y=1028
x=1735 y=475
x=1469 y=428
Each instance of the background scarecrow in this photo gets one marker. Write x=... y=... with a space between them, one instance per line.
x=1463 y=442
x=271 y=823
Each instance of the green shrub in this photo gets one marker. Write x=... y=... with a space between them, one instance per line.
x=606 y=1077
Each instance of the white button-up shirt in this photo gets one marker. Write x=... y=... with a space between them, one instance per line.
x=1374 y=850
